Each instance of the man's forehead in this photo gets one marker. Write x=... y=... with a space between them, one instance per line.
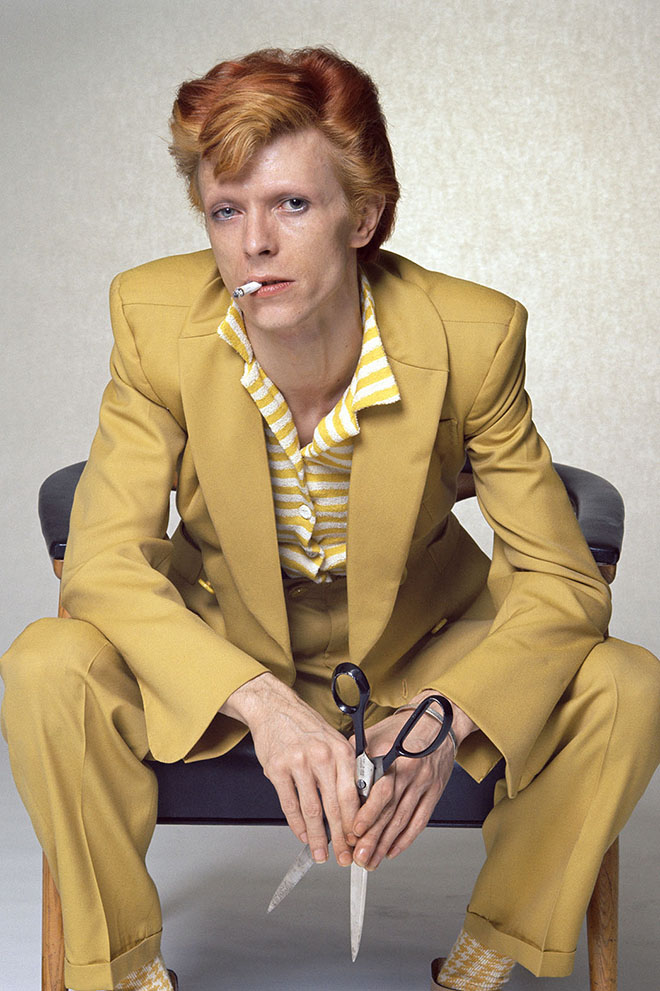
x=302 y=156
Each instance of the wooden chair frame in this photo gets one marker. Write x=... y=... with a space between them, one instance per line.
x=602 y=913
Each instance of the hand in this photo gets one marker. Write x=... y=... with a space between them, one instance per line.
x=401 y=803
x=310 y=764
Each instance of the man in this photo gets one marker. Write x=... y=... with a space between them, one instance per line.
x=316 y=428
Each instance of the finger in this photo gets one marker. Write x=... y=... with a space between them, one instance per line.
x=349 y=795
x=311 y=809
x=419 y=785
x=332 y=810
x=349 y=805
x=290 y=806
x=374 y=847
x=392 y=846
x=411 y=818
x=335 y=775
x=381 y=812
x=300 y=801
x=327 y=776
x=379 y=805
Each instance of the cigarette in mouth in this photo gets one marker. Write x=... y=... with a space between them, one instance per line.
x=246 y=289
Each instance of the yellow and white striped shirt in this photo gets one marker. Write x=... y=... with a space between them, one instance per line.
x=310 y=484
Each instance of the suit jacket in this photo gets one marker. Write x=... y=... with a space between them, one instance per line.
x=175 y=406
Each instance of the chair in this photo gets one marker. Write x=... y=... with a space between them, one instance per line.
x=240 y=794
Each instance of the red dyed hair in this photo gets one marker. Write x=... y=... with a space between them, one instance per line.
x=239 y=106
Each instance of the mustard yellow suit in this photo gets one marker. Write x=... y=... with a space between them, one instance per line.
x=514 y=634
x=176 y=406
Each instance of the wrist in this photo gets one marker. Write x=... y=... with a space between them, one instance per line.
x=461 y=724
x=247 y=702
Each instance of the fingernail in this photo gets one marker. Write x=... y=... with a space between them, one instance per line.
x=320 y=856
x=361 y=856
x=394 y=852
x=351 y=839
x=303 y=837
x=345 y=858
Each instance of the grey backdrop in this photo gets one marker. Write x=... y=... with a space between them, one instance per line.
x=526 y=137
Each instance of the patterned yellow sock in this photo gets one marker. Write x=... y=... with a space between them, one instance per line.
x=151 y=976
x=472 y=967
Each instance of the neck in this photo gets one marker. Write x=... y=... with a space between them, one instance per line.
x=313 y=363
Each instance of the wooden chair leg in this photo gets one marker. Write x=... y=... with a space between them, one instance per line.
x=52 y=936
x=603 y=924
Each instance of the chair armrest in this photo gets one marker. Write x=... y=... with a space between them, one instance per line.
x=599 y=510
x=55 y=502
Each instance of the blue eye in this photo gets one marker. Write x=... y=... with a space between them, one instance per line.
x=295 y=204
x=224 y=213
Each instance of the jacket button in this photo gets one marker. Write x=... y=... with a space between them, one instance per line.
x=297 y=591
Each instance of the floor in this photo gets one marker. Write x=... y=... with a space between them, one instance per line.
x=215 y=884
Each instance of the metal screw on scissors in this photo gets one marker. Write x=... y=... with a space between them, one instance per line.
x=368 y=770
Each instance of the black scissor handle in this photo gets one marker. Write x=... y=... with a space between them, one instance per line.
x=356 y=712
x=398 y=749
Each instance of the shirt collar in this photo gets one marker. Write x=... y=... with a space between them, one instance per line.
x=232 y=327
x=372 y=384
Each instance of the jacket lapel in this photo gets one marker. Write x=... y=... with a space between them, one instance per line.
x=227 y=439
x=391 y=458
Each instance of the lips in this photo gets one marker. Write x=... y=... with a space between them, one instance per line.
x=271 y=286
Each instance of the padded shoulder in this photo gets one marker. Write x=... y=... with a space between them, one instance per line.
x=456 y=300
x=172 y=281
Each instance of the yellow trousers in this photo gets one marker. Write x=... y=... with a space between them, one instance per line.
x=73 y=718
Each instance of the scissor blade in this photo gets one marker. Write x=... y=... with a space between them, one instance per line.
x=295 y=873
x=359 y=878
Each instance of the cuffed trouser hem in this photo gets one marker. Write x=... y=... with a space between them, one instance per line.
x=102 y=976
x=541 y=963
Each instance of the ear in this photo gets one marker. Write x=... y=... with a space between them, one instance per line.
x=367 y=221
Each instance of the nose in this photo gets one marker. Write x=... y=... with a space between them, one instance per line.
x=259 y=236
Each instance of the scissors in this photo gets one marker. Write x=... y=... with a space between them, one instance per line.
x=368 y=770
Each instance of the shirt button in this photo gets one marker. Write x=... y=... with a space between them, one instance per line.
x=297 y=591
x=305 y=512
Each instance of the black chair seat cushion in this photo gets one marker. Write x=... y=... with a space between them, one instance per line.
x=233 y=789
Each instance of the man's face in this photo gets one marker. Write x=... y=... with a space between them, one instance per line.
x=284 y=221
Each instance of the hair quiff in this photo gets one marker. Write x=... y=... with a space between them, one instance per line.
x=229 y=114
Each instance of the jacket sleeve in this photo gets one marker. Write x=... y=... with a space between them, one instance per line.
x=115 y=568
x=552 y=604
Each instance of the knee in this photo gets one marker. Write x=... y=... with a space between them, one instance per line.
x=633 y=676
x=43 y=666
